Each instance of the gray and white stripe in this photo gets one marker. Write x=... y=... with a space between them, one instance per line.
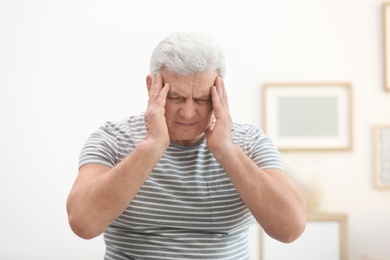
x=187 y=208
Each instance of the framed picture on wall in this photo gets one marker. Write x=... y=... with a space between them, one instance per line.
x=325 y=237
x=382 y=156
x=386 y=44
x=308 y=116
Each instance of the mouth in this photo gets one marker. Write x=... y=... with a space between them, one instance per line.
x=185 y=125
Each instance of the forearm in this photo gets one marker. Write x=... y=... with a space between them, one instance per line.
x=94 y=204
x=270 y=196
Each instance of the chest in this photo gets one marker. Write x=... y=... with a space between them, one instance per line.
x=187 y=191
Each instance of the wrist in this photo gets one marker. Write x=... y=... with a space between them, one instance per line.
x=154 y=146
x=224 y=152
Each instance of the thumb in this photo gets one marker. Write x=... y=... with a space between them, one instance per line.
x=209 y=129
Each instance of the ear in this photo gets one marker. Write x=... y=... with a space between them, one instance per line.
x=148 y=82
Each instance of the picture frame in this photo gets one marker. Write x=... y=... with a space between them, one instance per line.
x=386 y=44
x=325 y=237
x=306 y=116
x=382 y=156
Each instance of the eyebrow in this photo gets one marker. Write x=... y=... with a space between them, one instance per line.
x=174 y=93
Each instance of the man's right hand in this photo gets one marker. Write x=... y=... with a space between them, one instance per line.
x=155 y=122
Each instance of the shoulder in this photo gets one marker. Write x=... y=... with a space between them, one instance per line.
x=251 y=138
x=114 y=134
x=126 y=123
x=240 y=130
x=257 y=145
x=127 y=126
x=112 y=141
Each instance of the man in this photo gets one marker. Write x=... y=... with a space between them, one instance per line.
x=181 y=180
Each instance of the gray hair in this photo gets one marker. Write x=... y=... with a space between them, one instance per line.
x=187 y=53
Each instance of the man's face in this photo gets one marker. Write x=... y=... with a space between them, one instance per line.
x=189 y=109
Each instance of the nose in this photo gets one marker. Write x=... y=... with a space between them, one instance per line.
x=188 y=109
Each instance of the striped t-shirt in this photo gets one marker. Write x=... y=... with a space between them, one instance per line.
x=187 y=208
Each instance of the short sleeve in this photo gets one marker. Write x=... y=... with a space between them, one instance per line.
x=258 y=146
x=100 y=147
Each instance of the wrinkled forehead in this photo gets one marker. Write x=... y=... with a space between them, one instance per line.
x=198 y=83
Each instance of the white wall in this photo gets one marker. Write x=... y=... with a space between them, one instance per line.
x=68 y=66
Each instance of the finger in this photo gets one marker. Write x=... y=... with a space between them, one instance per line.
x=162 y=97
x=219 y=103
x=156 y=85
x=224 y=94
x=219 y=87
x=216 y=100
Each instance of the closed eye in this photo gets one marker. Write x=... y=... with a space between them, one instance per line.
x=176 y=100
x=180 y=99
x=202 y=101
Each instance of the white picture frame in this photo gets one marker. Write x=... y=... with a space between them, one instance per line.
x=386 y=44
x=382 y=156
x=308 y=116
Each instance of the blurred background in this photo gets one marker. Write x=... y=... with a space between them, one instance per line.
x=66 y=67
